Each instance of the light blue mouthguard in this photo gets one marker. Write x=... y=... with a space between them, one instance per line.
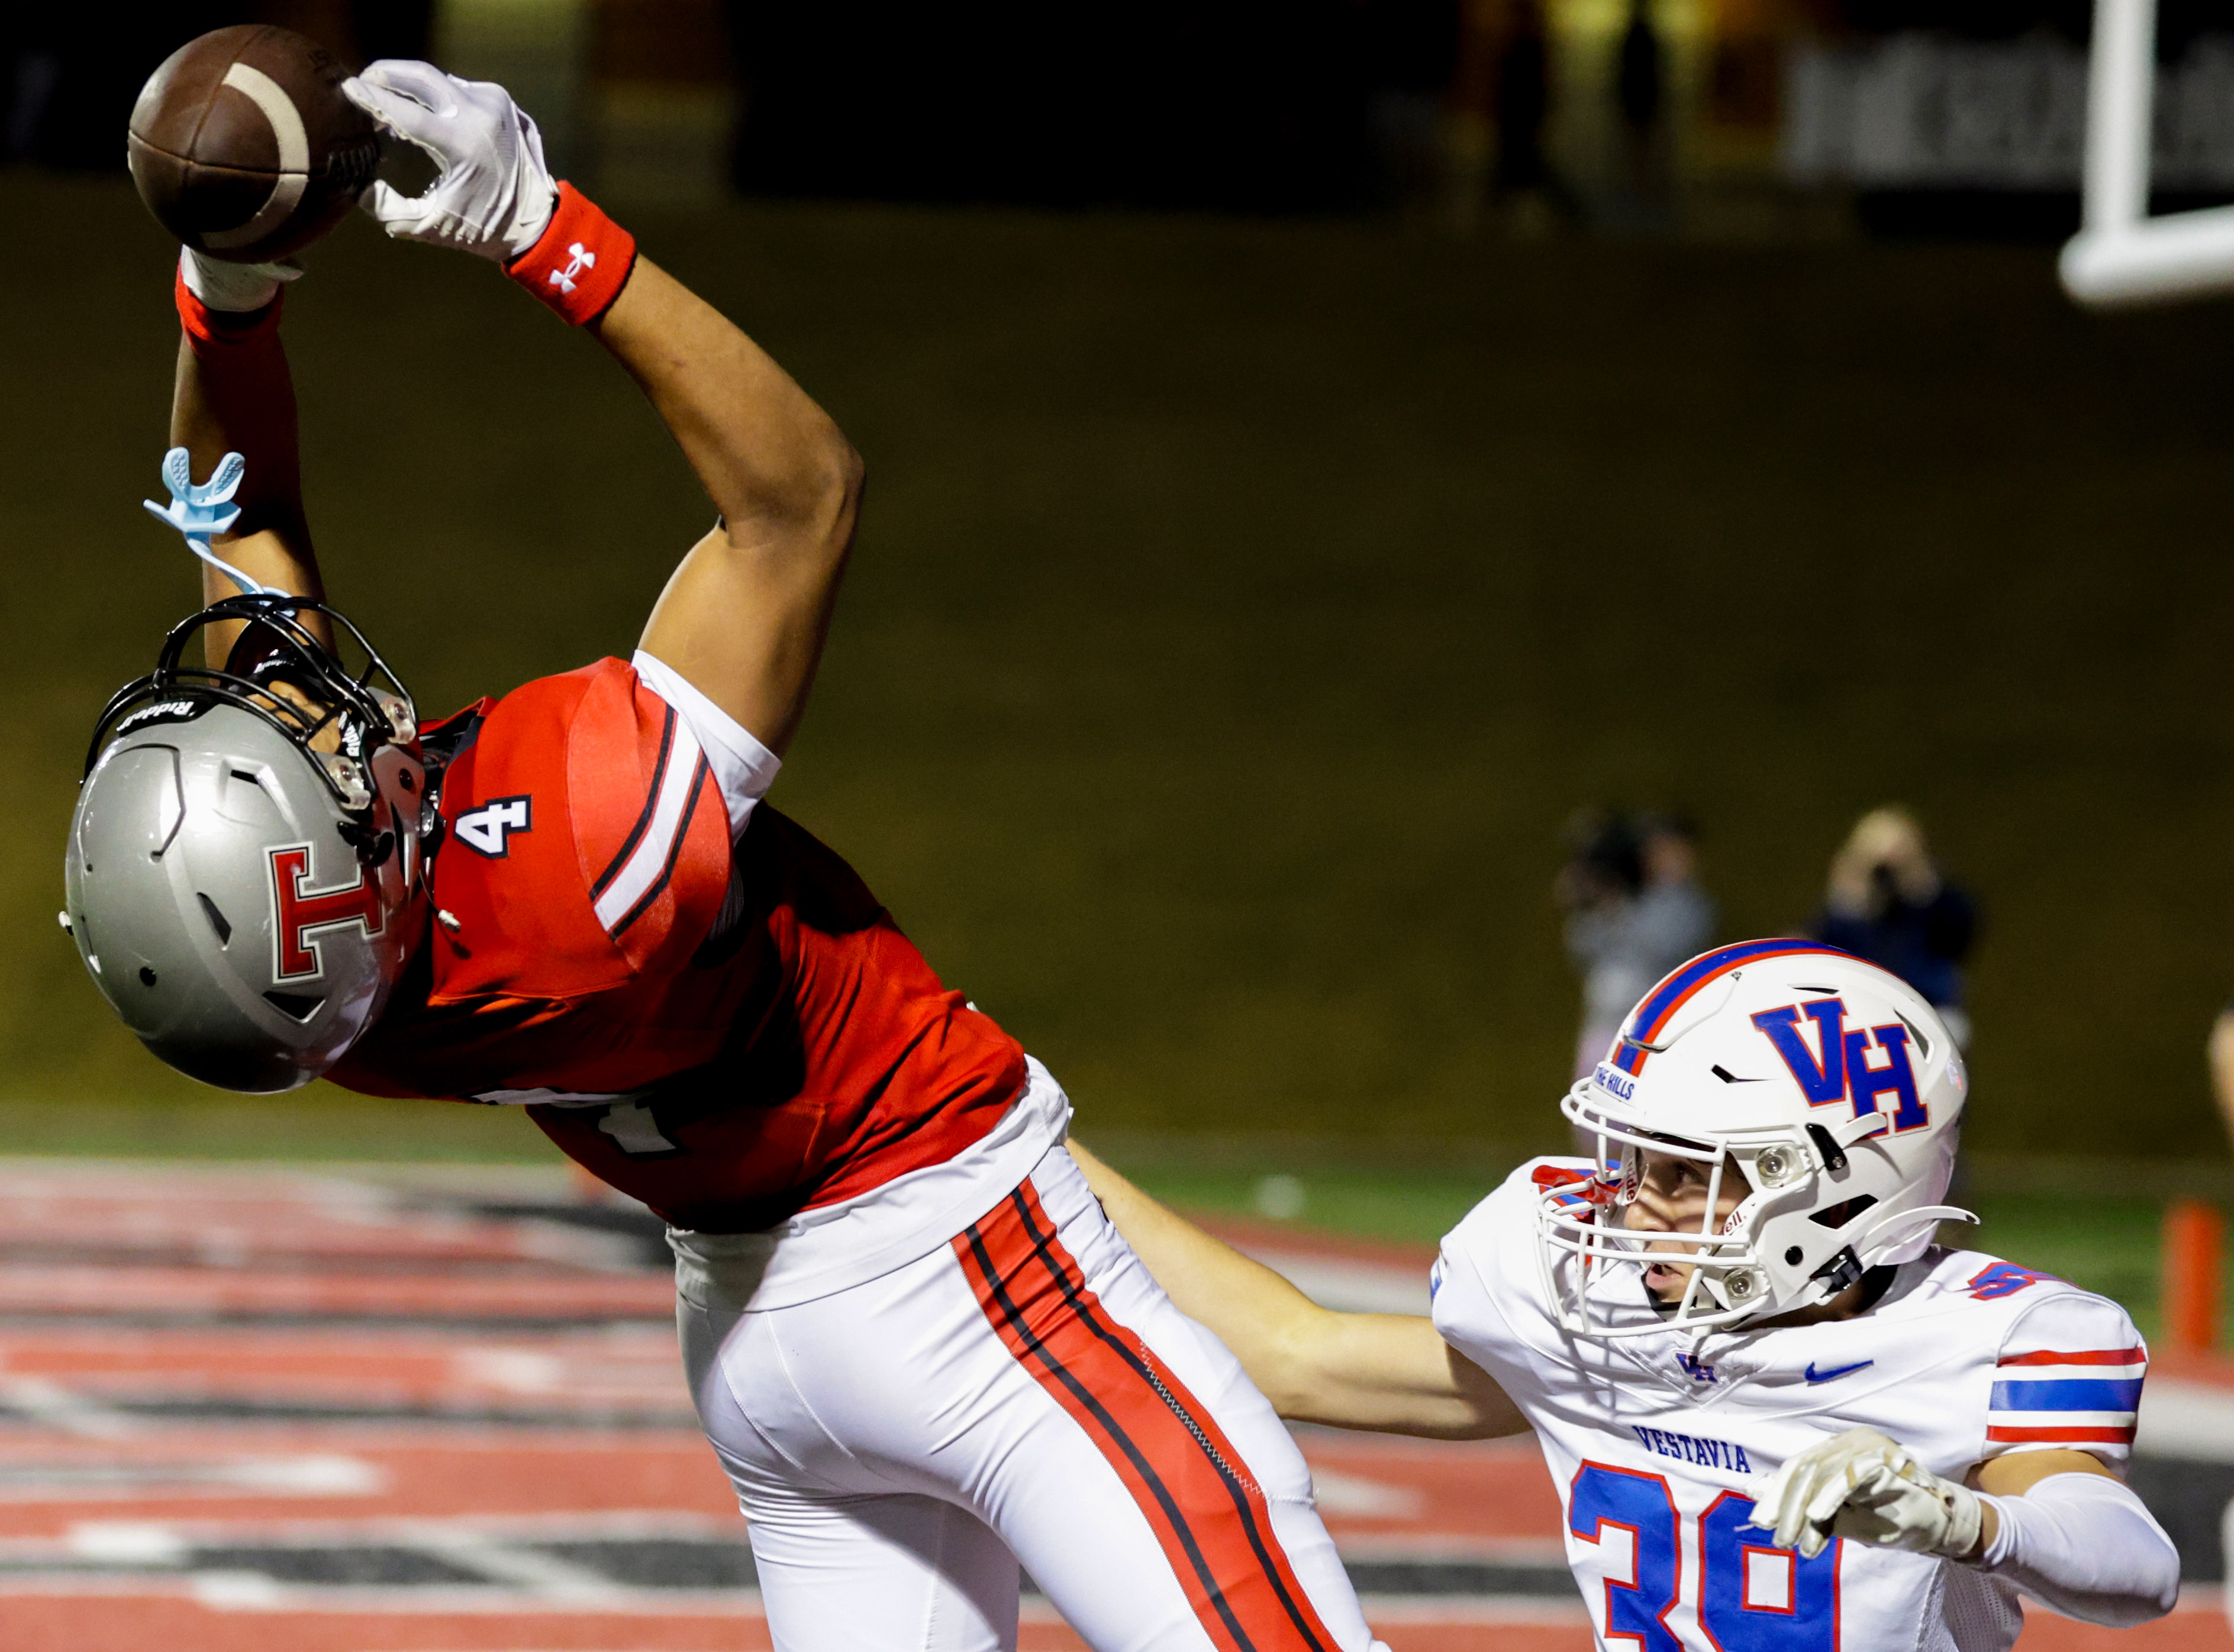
x=199 y=511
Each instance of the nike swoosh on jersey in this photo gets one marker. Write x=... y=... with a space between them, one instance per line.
x=1814 y=1375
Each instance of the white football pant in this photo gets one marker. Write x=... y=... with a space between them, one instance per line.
x=1027 y=1393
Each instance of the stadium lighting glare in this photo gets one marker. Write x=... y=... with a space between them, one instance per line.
x=2122 y=255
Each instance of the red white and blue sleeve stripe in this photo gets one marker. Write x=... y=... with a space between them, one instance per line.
x=2067 y=1397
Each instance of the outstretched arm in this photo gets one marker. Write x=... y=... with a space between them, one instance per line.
x=232 y=393
x=743 y=618
x=2058 y=1524
x=1391 y=1373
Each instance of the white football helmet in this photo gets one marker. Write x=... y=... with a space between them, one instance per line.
x=1827 y=1083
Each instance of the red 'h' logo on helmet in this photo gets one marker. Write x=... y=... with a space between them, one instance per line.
x=297 y=911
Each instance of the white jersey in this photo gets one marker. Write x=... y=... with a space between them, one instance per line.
x=1655 y=1441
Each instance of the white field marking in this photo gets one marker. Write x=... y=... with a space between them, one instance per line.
x=1354 y=1494
x=1414 y=1612
x=546 y=1577
x=127 y=1542
x=1431 y=1546
x=64 y=1408
x=449 y=1600
x=295 y=1532
x=222 y=1248
x=236 y=1591
x=1350 y=1287
x=513 y=1370
x=2190 y=1420
x=73 y=1585
x=304 y=1475
x=578 y=1247
x=294 y=156
x=318 y=1475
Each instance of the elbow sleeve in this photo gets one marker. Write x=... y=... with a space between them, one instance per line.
x=2085 y=1545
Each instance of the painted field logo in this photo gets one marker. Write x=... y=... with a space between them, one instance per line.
x=1839 y=1068
x=296 y=912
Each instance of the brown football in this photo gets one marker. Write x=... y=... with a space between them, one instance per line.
x=243 y=145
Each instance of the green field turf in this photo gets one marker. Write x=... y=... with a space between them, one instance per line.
x=338 y=1127
x=1240 y=610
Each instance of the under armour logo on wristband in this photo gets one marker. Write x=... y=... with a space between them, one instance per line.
x=583 y=259
x=579 y=264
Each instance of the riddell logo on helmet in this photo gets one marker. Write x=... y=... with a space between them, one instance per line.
x=296 y=912
x=1843 y=1071
x=162 y=711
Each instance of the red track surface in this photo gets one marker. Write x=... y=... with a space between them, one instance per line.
x=172 y=1291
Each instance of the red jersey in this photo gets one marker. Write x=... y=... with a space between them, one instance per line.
x=731 y=1032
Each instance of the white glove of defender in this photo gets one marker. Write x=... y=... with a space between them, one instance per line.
x=1862 y=1485
x=237 y=289
x=494 y=195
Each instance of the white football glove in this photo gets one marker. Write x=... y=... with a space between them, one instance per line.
x=1862 y=1485
x=494 y=194
x=235 y=288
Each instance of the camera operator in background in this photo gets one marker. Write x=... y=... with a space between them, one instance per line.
x=1888 y=902
x=1635 y=911
x=2220 y=1050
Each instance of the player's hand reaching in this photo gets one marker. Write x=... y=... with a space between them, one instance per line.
x=1867 y=1487
x=494 y=195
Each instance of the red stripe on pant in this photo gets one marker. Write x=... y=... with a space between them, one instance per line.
x=1209 y=1517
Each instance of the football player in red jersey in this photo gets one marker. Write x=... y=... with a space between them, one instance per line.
x=917 y=1347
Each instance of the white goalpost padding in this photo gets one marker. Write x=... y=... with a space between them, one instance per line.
x=2122 y=255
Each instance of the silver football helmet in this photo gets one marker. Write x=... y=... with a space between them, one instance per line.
x=1822 y=1087
x=246 y=871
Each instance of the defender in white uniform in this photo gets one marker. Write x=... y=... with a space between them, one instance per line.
x=1778 y=1414
x=1962 y=1359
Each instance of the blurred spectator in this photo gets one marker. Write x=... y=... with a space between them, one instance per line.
x=2221 y=1052
x=1637 y=87
x=1524 y=179
x=1640 y=93
x=33 y=65
x=1409 y=53
x=1635 y=911
x=1888 y=902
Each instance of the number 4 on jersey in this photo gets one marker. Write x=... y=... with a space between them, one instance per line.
x=1752 y=1597
x=488 y=830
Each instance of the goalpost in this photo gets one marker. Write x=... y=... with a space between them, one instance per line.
x=2122 y=255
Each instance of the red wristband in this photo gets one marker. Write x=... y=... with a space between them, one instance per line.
x=581 y=261
x=207 y=326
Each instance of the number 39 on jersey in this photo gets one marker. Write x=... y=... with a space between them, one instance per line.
x=1748 y=1595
